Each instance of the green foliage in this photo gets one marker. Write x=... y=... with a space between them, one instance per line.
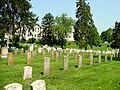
x=25 y=47
x=62 y=27
x=31 y=40
x=106 y=36
x=84 y=26
x=116 y=36
x=47 y=24
x=15 y=15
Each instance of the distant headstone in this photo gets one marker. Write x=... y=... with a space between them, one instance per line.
x=31 y=47
x=43 y=54
x=99 y=57
x=38 y=85
x=16 y=51
x=4 y=52
x=46 y=66
x=111 y=56
x=56 y=56
x=79 y=60
x=21 y=51
x=28 y=58
x=65 y=63
x=90 y=58
x=10 y=56
x=40 y=50
x=105 y=57
x=27 y=72
x=13 y=86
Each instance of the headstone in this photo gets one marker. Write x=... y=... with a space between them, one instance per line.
x=105 y=57
x=40 y=50
x=13 y=86
x=21 y=51
x=10 y=56
x=56 y=56
x=46 y=66
x=28 y=58
x=99 y=57
x=38 y=85
x=111 y=56
x=4 y=52
x=16 y=51
x=43 y=54
x=79 y=60
x=90 y=58
x=65 y=63
x=27 y=72
x=31 y=47
x=52 y=53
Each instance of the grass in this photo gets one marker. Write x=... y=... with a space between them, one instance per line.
x=103 y=76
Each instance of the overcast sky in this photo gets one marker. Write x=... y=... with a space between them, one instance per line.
x=105 y=12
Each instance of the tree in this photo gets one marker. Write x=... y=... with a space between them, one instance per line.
x=116 y=36
x=94 y=38
x=47 y=24
x=62 y=27
x=106 y=36
x=84 y=26
x=14 y=15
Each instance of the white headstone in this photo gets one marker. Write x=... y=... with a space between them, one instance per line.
x=13 y=86
x=40 y=50
x=27 y=72
x=4 y=52
x=38 y=85
x=31 y=47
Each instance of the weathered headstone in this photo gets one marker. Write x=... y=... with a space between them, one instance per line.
x=90 y=58
x=28 y=58
x=21 y=51
x=31 y=47
x=16 y=51
x=79 y=60
x=56 y=56
x=43 y=54
x=4 y=52
x=46 y=66
x=65 y=63
x=111 y=56
x=38 y=85
x=10 y=56
x=105 y=57
x=99 y=57
x=13 y=86
x=27 y=72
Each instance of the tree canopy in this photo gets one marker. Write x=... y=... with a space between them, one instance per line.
x=14 y=15
x=106 y=36
x=84 y=26
x=116 y=36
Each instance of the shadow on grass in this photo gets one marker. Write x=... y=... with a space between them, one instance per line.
x=61 y=68
x=41 y=73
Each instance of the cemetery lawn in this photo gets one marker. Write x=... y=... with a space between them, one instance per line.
x=98 y=76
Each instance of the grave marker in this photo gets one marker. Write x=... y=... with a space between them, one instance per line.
x=4 y=52
x=46 y=66
x=27 y=72
x=13 y=86
x=38 y=85
x=10 y=56
x=28 y=58
x=65 y=63
x=79 y=60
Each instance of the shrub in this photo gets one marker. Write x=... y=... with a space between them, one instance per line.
x=31 y=40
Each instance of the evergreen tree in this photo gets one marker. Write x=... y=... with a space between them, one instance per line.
x=47 y=34
x=116 y=36
x=15 y=14
x=84 y=25
x=106 y=36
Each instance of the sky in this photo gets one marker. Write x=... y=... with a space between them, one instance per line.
x=105 y=12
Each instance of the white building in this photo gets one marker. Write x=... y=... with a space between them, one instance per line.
x=33 y=33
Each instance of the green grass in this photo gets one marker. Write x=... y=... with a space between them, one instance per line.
x=98 y=76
